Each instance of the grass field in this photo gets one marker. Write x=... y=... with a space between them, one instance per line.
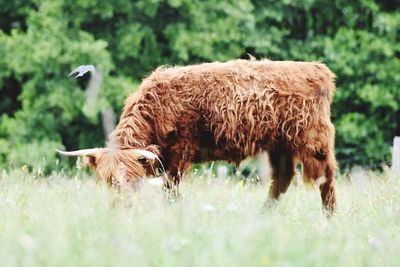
x=71 y=221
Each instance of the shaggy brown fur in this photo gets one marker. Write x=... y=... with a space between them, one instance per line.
x=229 y=111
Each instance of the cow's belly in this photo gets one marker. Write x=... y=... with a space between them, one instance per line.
x=209 y=150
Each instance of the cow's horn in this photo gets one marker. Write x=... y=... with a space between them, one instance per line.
x=146 y=154
x=79 y=153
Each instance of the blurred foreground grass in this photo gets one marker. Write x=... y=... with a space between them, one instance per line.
x=69 y=221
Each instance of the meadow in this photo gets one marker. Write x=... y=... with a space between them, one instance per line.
x=53 y=217
x=68 y=220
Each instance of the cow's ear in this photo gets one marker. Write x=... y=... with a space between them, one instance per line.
x=91 y=161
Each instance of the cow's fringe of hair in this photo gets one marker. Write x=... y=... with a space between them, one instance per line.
x=118 y=167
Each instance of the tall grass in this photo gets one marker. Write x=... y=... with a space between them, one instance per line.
x=71 y=221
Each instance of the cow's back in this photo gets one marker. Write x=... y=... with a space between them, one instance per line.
x=243 y=104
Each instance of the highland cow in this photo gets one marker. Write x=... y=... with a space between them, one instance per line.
x=225 y=111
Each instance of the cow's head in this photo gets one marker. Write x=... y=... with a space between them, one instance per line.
x=119 y=166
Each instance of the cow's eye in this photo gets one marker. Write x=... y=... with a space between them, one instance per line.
x=144 y=161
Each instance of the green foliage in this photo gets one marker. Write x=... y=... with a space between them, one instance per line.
x=41 y=41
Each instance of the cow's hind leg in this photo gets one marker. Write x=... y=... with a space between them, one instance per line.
x=321 y=170
x=283 y=170
x=327 y=189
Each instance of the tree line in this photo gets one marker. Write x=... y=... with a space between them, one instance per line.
x=42 y=41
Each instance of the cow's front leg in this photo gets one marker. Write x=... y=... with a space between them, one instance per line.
x=171 y=185
x=177 y=161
